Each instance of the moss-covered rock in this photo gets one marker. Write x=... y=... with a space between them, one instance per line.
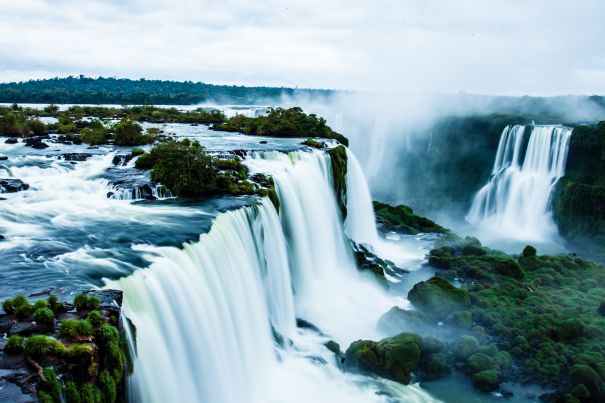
x=486 y=381
x=402 y=219
x=393 y=358
x=398 y=320
x=438 y=297
x=464 y=347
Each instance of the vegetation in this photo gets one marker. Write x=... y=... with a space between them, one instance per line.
x=402 y=219
x=14 y=123
x=542 y=312
x=84 y=90
x=338 y=159
x=579 y=197
x=280 y=122
x=129 y=133
x=89 y=353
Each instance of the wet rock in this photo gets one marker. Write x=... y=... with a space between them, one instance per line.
x=76 y=156
x=3 y=157
x=26 y=328
x=122 y=159
x=12 y=140
x=39 y=146
x=12 y=185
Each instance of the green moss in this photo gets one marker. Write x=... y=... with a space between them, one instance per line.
x=41 y=303
x=480 y=362
x=72 y=393
x=45 y=397
x=463 y=319
x=338 y=159
x=84 y=302
x=137 y=151
x=402 y=219
x=107 y=386
x=24 y=311
x=95 y=318
x=314 y=143
x=464 y=347
x=333 y=347
x=486 y=381
x=41 y=346
x=14 y=345
x=74 y=328
x=436 y=366
x=438 y=297
x=44 y=316
x=90 y=394
x=53 y=385
x=393 y=358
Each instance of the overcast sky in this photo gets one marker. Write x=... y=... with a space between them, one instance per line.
x=482 y=46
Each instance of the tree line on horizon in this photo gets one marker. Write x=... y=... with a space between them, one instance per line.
x=120 y=91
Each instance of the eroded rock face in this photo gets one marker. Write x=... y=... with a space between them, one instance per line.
x=12 y=185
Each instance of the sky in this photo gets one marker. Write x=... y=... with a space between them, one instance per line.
x=508 y=47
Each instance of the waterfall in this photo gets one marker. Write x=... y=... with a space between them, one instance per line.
x=515 y=201
x=216 y=320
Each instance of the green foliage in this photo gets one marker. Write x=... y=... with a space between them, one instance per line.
x=402 y=219
x=107 y=385
x=74 y=328
x=13 y=122
x=96 y=133
x=84 y=302
x=129 y=133
x=95 y=318
x=45 y=397
x=280 y=122
x=44 y=316
x=14 y=345
x=184 y=167
x=121 y=91
x=72 y=393
x=18 y=305
x=53 y=385
x=137 y=151
x=41 y=346
x=480 y=362
x=333 y=347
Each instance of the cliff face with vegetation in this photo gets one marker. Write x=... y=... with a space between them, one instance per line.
x=579 y=198
x=446 y=163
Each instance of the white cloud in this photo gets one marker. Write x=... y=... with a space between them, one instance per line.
x=487 y=46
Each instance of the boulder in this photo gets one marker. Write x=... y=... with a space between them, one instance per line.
x=438 y=297
x=39 y=146
x=12 y=140
x=392 y=358
x=398 y=320
x=3 y=157
x=76 y=156
x=12 y=185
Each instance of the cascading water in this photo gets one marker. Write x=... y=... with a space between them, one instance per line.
x=515 y=202
x=206 y=315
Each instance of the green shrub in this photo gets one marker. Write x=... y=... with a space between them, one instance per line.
x=41 y=346
x=95 y=133
x=90 y=394
x=41 y=303
x=24 y=311
x=84 y=302
x=8 y=306
x=14 y=345
x=95 y=318
x=52 y=385
x=72 y=392
x=44 y=316
x=129 y=133
x=480 y=362
x=73 y=328
x=45 y=397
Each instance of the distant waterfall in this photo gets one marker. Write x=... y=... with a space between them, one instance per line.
x=206 y=316
x=515 y=201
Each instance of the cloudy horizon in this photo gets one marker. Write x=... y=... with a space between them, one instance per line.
x=488 y=47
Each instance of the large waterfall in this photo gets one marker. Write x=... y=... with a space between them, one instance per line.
x=515 y=201
x=216 y=320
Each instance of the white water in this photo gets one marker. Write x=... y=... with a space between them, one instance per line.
x=204 y=313
x=515 y=202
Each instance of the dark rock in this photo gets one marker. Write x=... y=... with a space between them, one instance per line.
x=3 y=157
x=30 y=141
x=12 y=140
x=76 y=156
x=262 y=142
x=25 y=328
x=122 y=159
x=39 y=146
x=12 y=185
x=109 y=298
